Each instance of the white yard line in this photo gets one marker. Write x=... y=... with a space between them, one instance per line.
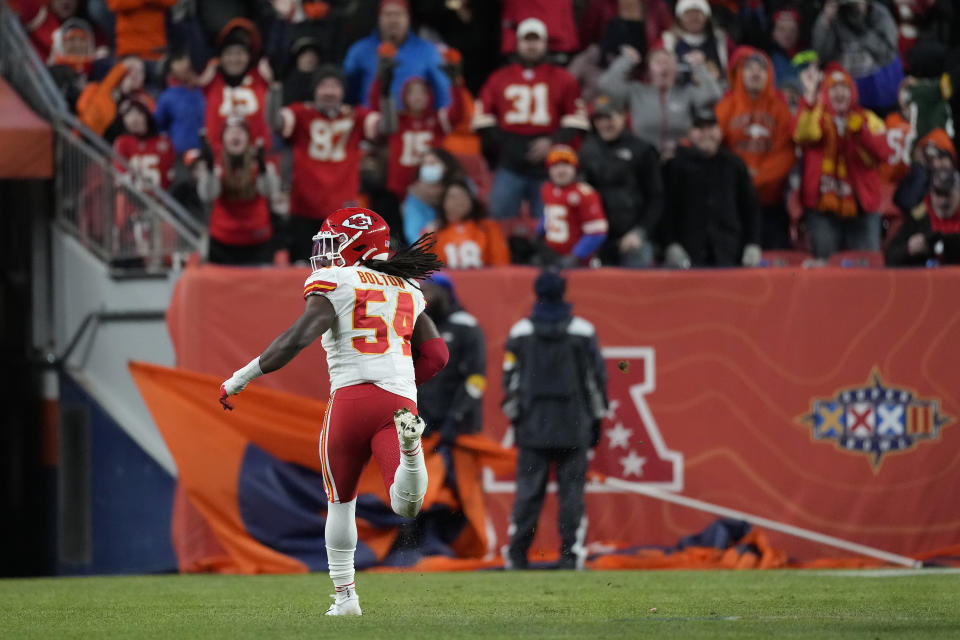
x=782 y=527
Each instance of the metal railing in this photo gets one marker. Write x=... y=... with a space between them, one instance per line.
x=118 y=214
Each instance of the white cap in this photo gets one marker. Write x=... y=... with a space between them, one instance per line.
x=685 y=5
x=534 y=26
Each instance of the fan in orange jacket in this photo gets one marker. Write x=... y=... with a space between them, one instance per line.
x=467 y=239
x=97 y=105
x=900 y=136
x=757 y=124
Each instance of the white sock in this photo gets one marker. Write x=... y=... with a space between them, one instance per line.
x=409 y=482
x=341 y=540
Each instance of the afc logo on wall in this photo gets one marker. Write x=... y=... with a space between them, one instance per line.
x=875 y=419
x=631 y=449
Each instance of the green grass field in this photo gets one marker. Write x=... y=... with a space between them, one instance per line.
x=546 y=604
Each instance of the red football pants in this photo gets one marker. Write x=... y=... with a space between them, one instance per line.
x=359 y=421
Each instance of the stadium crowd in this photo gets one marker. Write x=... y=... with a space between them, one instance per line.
x=554 y=132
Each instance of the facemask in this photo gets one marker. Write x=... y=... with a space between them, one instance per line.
x=431 y=173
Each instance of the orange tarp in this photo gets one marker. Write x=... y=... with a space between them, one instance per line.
x=208 y=445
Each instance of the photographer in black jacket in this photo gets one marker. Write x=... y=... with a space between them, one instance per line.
x=451 y=402
x=625 y=171
x=556 y=396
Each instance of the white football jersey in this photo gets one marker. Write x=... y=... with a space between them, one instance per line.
x=370 y=340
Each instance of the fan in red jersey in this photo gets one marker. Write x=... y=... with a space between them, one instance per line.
x=524 y=108
x=238 y=88
x=149 y=153
x=151 y=157
x=573 y=225
x=237 y=182
x=418 y=128
x=325 y=135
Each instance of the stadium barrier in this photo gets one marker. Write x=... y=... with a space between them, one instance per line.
x=822 y=399
x=99 y=198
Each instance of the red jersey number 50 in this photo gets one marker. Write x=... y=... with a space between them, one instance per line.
x=402 y=322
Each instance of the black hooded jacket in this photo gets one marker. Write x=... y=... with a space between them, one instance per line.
x=554 y=380
x=714 y=211
x=626 y=173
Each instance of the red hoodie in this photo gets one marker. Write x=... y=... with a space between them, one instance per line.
x=840 y=167
x=414 y=136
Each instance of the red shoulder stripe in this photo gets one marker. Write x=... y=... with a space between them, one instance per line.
x=318 y=287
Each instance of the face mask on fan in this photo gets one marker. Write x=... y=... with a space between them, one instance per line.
x=431 y=173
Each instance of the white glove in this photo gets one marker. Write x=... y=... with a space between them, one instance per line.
x=676 y=257
x=751 y=255
x=239 y=380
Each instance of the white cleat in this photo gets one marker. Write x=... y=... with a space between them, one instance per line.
x=345 y=604
x=409 y=428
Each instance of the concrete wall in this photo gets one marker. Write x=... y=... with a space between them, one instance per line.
x=83 y=284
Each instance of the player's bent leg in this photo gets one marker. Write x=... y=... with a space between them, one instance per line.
x=403 y=468
x=410 y=479
x=340 y=533
x=409 y=428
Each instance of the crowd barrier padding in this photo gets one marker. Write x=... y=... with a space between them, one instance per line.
x=823 y=398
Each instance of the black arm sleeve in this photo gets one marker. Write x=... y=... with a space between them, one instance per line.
x=912 y=188
x=512 y=368
x=749 y=206
x=650 y=179
x=473 y=363
x=490 y=142
x=896 y=254
x=951 y=248
x=567 y=135
x=672 y=199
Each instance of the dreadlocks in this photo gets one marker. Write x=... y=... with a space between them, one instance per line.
x=416 y=262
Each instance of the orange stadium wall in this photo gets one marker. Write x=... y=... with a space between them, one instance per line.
x=826 y=399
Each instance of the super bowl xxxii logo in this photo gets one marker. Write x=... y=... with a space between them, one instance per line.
x=875 y=419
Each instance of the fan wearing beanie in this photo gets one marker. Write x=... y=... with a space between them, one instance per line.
x=694 y=39
x=413 y=57
x=930 y=232
x=235 y=85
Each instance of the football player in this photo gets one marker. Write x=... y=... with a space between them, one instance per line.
x=525 y=107
x=573 y=225
x=380 y=345
x=325 y=135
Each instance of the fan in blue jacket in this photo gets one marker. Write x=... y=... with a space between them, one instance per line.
x=414 y=57
x=181 y=106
